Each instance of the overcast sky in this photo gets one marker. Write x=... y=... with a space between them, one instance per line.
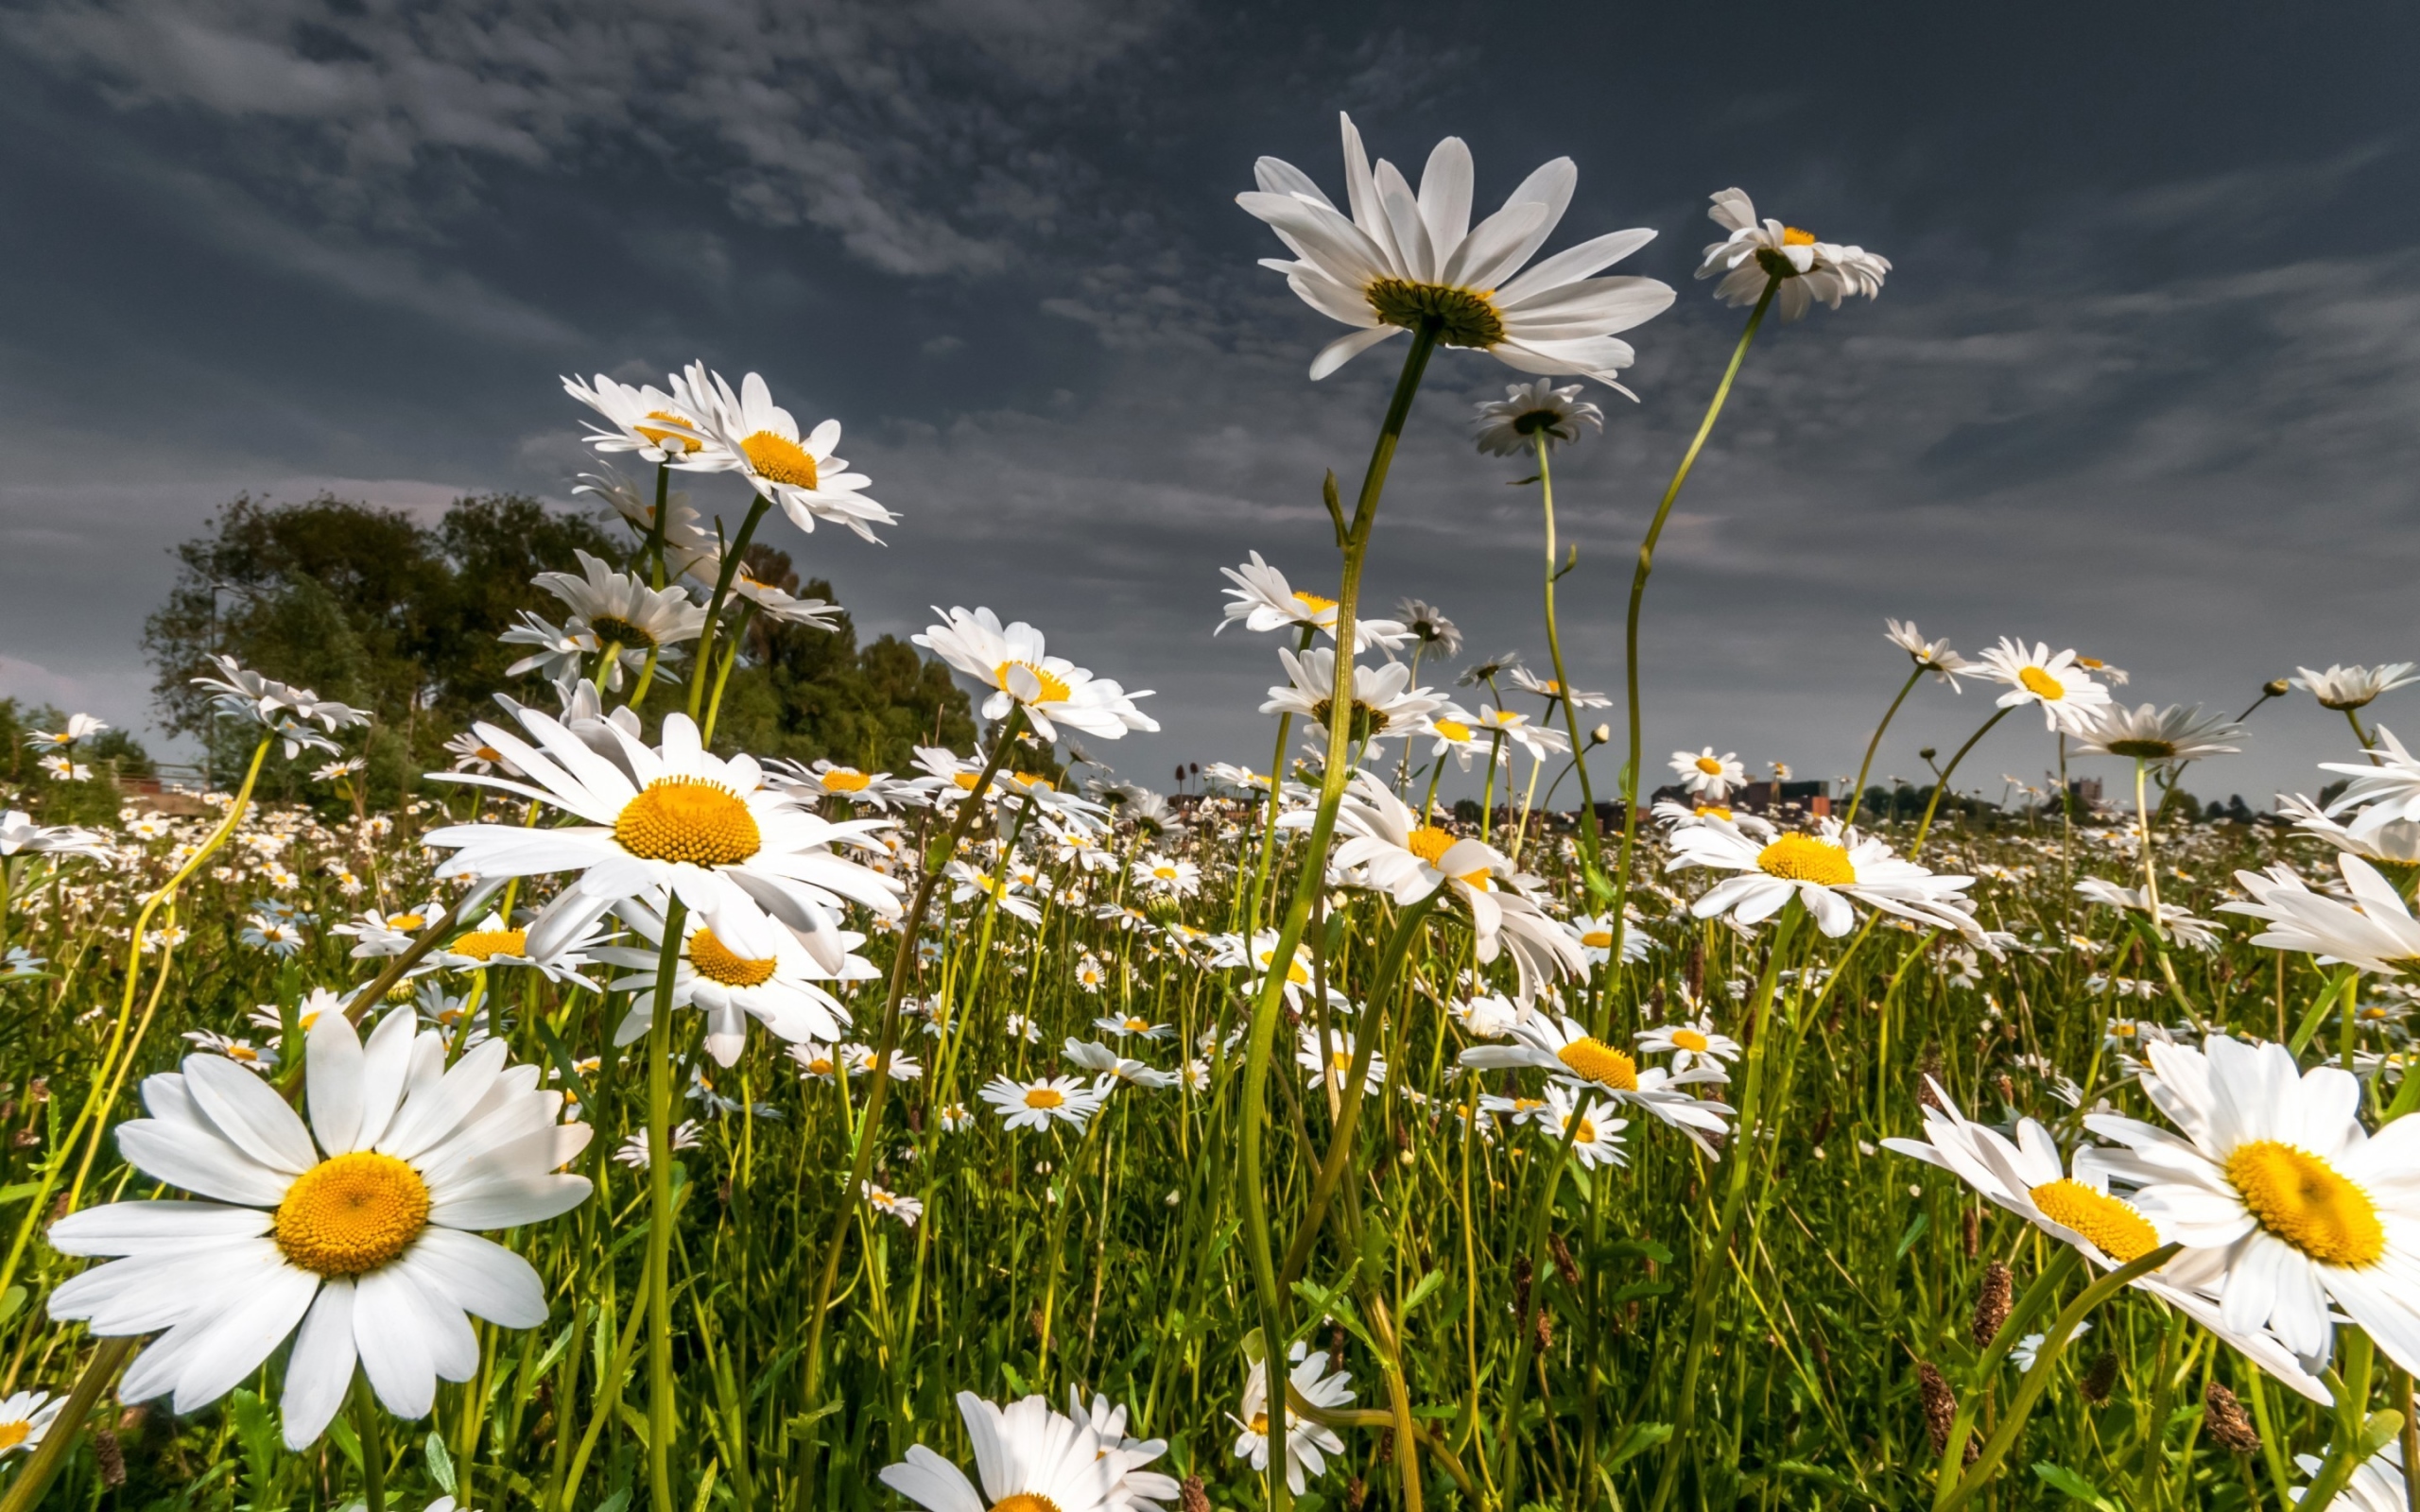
x=2145 y=380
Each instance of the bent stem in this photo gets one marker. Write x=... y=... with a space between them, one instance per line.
x=659 y=1232
x=1638 y=594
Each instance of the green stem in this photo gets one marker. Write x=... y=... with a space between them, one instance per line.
x=1856 y=795
x=371 y=1430
x=658 y=1233
x=1591 y=843
x=1941 y=784
x=1276 y=782
x=714 y=706
x=737 y=548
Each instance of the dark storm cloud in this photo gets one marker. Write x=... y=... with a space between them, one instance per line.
x=2145 y=379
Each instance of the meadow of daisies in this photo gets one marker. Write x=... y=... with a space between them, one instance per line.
x=625 y=1120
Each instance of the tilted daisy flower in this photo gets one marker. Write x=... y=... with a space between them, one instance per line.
x=1561 y=1048
x=242 y=1052
x=1511 y=427
x=80 y=729
x=1451 y=726
x=1935 y=657
x=2066 y=693
x=2375 y=932
x=1030 y=1459
x=558 y=655
x=1052 y=689
x=1112 y=1070
x=25 y=1417
x=2392 y=844
x=2030 y=1177
x=470 y=755
x=1332 y=1063
x=1135 y=1488
x=633 y=1151
x=2272 y=1183
x=1595 y=1132
x=2385 y=790
x=674 y=817
x=556 y=943
x=778 y=603
x=1308 y=1444
x=1262 y=599
x=1551 y=691
x=282 y=709
x=645 y=419
x=355 y=1228
x=1689 y=1043
x=1384 y=702
x=1430 y=626
x=2199 y=933
x=1709 y=776
x=20 y=835
x=736 y=965
x=621 y=611
x=883 y=1200
x=760 y=440
x=2354 y=687
x=1259 y=955
x=1595 y=934
x=1825 y=872
x=1517 y=729
x=879 y=791
x=2149 y=733
x=1034 y=1103
x=1758 y=253
x=1401 y=259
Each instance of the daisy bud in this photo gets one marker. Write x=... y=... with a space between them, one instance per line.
x=2276 y=687
x=2099 y=1381
x=1941 y=1410
x=1992 y=1304
x=2224 y=1415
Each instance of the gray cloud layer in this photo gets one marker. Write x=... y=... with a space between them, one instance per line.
x=2145 y=381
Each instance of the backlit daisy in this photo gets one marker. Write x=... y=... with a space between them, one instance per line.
x=760 y=440
x=1384 y=702
x=2374 y=932
x=1263 y=600
x=1511 y=427
x=1935 y=657
x=1135 y=1488
x=2354 y=687
x=618 y=610
x=645 y=419
x=1758 y=253
x=1331 y=1062
x=1595 y=934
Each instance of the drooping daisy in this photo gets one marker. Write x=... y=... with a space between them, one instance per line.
x=1112 y=1070
x=20 y=835
x=2273 y=1182
x=1053 y=690
x=1384 y=703
x=25 y=1417
x=2066 y=692
x=1758 y=253
x=633 y=1151
x=1552 y=691
x=890 y=1204
x=1263 y=600
x=733 y=966
x=1517 y=729
x=1308 y=1444
x=1401 y=259
x=2385 y=790
x=760 y=440
x=672 y=816
x=1030 y=1458
x=2199 y=933
x=645 y=419
x=1430 y=626
x=618 y=610
x=2354 y=687
x=282 y=709
x=558 y=655
x=2375 y=932
x=1689 y=1043
x=355 y=1227
x=2149 y=733
x=1511 y=427
x=779 y=603
x=2393 y=845
x=1564 y=1050
x=1933 y=656
x=1034 y=1103
x=1825 y=870
x=1709 y=776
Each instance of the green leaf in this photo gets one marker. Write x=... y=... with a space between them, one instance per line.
x=11 y=1300
x=2060 y=1478
x=1421 y=1290
x=18 y=1192
x=1915 y=1232
x=1600 y=886
x=440 y=1463
x=1636 y=1439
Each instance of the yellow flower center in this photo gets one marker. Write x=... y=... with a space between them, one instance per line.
x=1804 y=858
x=1465 y=318
x=1260 y=1423
x=1314 y=602
x=845 y=779
x=486 y=944
x=2041 y=684
x=717 y=962
x=407 y=921
x=1453 y=729
x=1587 y=1132
x=1710 y=765
x=1032 y=780
x=1793 y=236
x=242 y=1053
x=350 y=1214
x=1045 y=1097
x=1595 y=1060
x=12 y=1434
x=1689 y=1040
x=1024 y=1502
x=820 y=1066
x=1053 y=688
x=1715 y=810
x=966 y=781
x=1428 y=842
x=489 y=753
x=2123 y=1234
x=2090 y=663
x=781 y=459
x=673 y=436
x=2307 y=1203
x=1597 y=939
x=1136 y=1026
x=688 y=820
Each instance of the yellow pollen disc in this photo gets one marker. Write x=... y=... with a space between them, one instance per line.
x=2307 y=1203
x=1718 y=811
x=845 y=779
x=1465 y=318
x=351 y=1214
x=2123 y=1030
x=717 y=962
x=489 y=753
x=670 y=439
x=1600 y=1062
x=2090 y=663
x=406 y=921
x=965 y=781
x=12 y=1434
x=1793 y=236
x=1428 y=842
x=1689 y=1040
x=1054 y=689
x=1804 y=858
x=821 y=1065
x=1031 y=781
x=1260 y=1423
x=2123 y=1234
x=1528 y=1105
x=1314 y=602
x=1341 y=1061
x=486 y=944
x=242 y=1053
x=2042 y=685
x=1024 y=1502
x=1453 y=729
x=1587 y=1134
x=781 y=459
x=1045 y=1097
x=1597 y=939
x=683 y=818
x=1710 y=765
x=1137 y=1025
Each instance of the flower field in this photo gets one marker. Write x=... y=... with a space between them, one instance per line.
x=621 y=1119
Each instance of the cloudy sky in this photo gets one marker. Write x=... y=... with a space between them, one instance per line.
x=2145 y=380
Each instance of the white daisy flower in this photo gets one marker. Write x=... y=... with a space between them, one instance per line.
x=1708 y=776
x=1825 y=870
x=2149 y=733
x=616 y=610
x=736 y=965
x=1308 y=1444
x=890 y=1204
x=1511 y=427
x=1595 y=1133
x=471 y=755
x=2376 y=1483
x=760 y=440
x=355 y=1227
x=1564 y=1050
x=1401 y=259
x=1052 y=689
x=2066 y=692
x=2354 y=687
x=1030 y=1457
x=859 y=789
x=1757 y=253
x=25 y=1417
x=1263 y=600
x=645 y=419
x=2199 y=933
x=1384 y=703
x=20 y=835
x=634 y=1152
x=242 y=1052
x=1034 y=1103
x=1933 y=656
x=1689 y=1043
x=1517 y=729
x=2375 y=932
x=282 y=709
x=1137 y=1488
x=1595 y=933
x=80 y=727
x=1112 y=1070
x=1333 y=1063
x=2386 y=789
x=1551 y=689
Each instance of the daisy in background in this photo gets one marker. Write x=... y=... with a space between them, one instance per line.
x=1515 y=728
x=2354 y=687
x=1931 y=656
x=25 y=1417
x=1384 y=703
x=1430 y=626
x=1134 y=1023
x=2386 y=790
x=879 y=791
x=2199 y=933
x=558 y=655
x=1511 y=427
x=1331 y=1063
x=774 y=601
x=1401 y=260
x=471 y=754
x=890 y=1204
x=1034 y=1103
x=1486 y=1015
x=1595 y=933
x=2066 y=692
x=63 y=769
x=622 y=614
x=645 y=419
x=1548 y=689
x=2376 y=1485
x=1030 y=1457
x=1052 y=691
x=1263 y=600
x=1595 y=1133
x=242 y=1052
x=2148 y=734
x=1758 y=253
x=1112 y=1070
x=284 y=711
x=2374 y=932
x=633 y=1152
x=1681 y=816
x=1709 y=777
x=760 y=440
x=1308 y=1444
x=1825 y=871
x=736 y=965
x=1137 y=1488
x=353 y=1228
x=80 y=727
x=1568 y=1052
x=1689 y=1043
x=1451 y=727
x=555 y=944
